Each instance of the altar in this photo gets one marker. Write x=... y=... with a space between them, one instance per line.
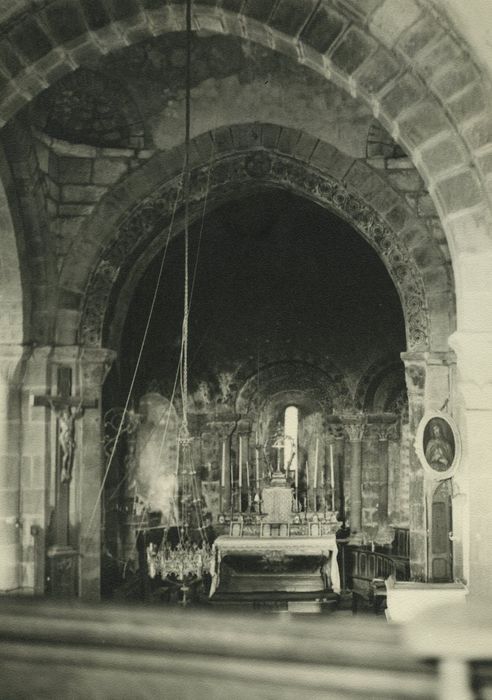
x=275 y=568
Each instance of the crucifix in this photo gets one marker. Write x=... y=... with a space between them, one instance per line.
x=68 y=409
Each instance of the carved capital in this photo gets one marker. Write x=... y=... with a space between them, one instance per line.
x=95 y=364
x=415 y=373
x=355 y=427
x=223 y=429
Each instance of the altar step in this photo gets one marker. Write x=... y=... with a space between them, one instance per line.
x=319 y=601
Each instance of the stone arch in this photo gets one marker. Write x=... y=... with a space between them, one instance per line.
x=324 y=386
x=386 y=377
x=408 y=65
x=232 y=173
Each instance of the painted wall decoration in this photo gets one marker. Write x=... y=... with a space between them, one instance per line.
x=438 y=445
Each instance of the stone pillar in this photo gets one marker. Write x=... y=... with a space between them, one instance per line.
x=415 y=376
x=428 y=380
x=11 y=374
x=38 y=448
x=473 y=480
x=93 y=365
x=383 y=434
x=244 y=431
x=355 y=430
x=224 y=429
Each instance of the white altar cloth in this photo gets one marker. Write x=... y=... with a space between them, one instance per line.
x=325 y=546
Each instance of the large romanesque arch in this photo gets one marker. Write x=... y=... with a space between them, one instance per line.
x=140 y=229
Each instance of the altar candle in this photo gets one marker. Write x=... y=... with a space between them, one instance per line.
x=307 y=474
x=332 y=479
x=315 y=480
x=240 y=477
x=257 y=451
x=222 y=473
x=297 y=476
x=247 y=473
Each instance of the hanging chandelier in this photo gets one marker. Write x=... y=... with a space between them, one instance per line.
x=191 y=557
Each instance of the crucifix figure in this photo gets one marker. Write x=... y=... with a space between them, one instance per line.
x=66 y=415
x=67 y=409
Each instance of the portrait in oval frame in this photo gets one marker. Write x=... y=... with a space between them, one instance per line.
x=438 y=445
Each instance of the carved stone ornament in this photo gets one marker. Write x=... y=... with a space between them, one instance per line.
x=438 y=445
x=219 y=182
x=416 y=376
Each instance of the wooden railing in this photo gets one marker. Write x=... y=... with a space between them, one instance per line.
x=369 y=571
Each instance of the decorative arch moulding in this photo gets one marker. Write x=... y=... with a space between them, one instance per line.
x=239 y=173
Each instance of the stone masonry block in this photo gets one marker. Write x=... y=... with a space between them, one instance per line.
x=391 y=19
x=443 y=155
x=331 y=160
x=259 y=9
x=440 y=55
x=485 y=164
x=74 y=170
x=361 y=9
x=405 y=93
x=377 y=71
x=96 y=14
x=459 y=192
x=65 y=20
x=384 y=200
x=353 y=49
x=28 y=37
x=406 y=180
x=245 y=136
x=468 y=104
x=223 y=140
x=323 y=28
x=305 y=146
x=288 y=141
x=419 y=36
x=290 y=16
x=121 y=9
x=108 y=170
x=360 y=178
x=426 y=206
x=454 y=79
x=11 y=102
x=479 y=132
x=232 y=5
x=270 y=135
x=10 y=60
x=423 y=123
x=398 y=217
x=204 y=146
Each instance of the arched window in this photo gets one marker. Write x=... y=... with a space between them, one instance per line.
x=291 y=431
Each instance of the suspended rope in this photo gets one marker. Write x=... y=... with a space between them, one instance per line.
x=137 y=366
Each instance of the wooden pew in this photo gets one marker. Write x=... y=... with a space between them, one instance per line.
x=369 y=572
x=58 y=652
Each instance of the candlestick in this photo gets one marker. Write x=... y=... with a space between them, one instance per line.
x=332 y=478
x=223 y=470
x=240 y=476
x=315 y=479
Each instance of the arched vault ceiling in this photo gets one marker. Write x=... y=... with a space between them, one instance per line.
x=408 y=67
